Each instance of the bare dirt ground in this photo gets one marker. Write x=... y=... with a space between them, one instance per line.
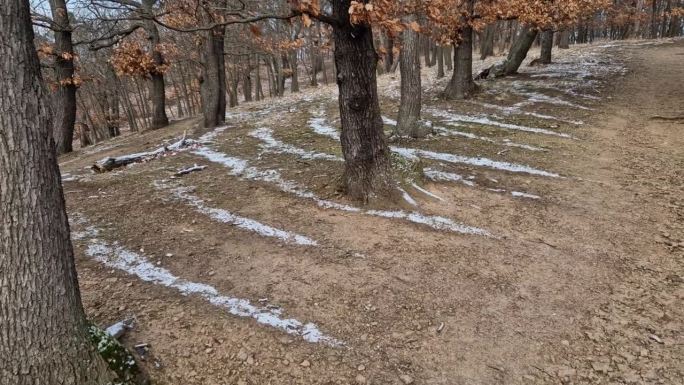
x=581 y=279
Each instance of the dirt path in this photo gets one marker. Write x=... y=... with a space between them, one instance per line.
x=581 y=283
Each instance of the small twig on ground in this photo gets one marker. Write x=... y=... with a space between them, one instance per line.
x=188 y=170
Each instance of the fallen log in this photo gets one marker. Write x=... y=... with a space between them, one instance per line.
x=111 y=163
x=188 y=170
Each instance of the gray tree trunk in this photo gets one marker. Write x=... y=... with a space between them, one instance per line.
x=43 y=329
x=461 y=85
x=65 y=97
x=158 y=88
x=213 y=81
x=409 y=66
x=440 y=62
x=546 y=40
x=487 y=41
x=367 y=170
x=294 y=66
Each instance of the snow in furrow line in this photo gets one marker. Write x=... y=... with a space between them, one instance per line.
x=537 y=97
x=389 y=121
x=240 y=168
x=426 y=192
x=320 y=126
x=451 y=117
x=272 y=144
x=442 y=176
x=452 y=132
x=412 y=153
x=224 y=216
x=511 y=110
x=211 y=135
x=519 y=194
x=118 y=257
x=407 y=197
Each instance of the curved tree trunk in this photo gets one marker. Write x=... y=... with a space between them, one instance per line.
x=64 y=98
x=409 y=66
x=367 y=163
x=516 y=55
x=43 y=338
x=546 y=39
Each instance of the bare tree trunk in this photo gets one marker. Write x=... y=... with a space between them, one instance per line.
x=564 y=40
x=65 y=96
x=546 y=40
x=213 y=81
x=516 y=56
x=409 y=66
x=294 y=66
x=158 y=89
x=247 y=82
x=447 y=57
x=440 y=62
x=461 y=85
x=389 y=55
x=367 y=163
x=44 y=337
x=487 y=42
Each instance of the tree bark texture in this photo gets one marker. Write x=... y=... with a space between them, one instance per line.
x=213 y=84
x=409 y=66
x=461 y=85
x=64 y=99
x=367 y=162
x=546 y=40
x=43 y=329
x=157 y=84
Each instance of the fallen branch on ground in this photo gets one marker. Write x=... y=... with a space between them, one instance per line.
x=111 y=163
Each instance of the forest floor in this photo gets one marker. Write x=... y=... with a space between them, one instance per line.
x=543 y=242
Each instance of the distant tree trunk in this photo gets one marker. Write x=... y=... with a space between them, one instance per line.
x=213 y=80
x=367 y=163
x=389 y=55
x=65 y=96
x=461 y=85
x=546 y=40
x=158 y=89
x=564 y=39
x=409 y=66
x=440 y=62
x=637 y=19
x=487 y=42
x=247 y=82
x=294 y=67
x=44 y=337
x=447 y=57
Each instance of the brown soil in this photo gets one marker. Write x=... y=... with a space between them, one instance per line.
x=582 y=286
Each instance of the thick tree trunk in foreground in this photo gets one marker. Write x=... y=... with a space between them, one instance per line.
x=367 y=162
x=546 y=39
x=409 y=66
x=43 y=330
x=158 y=86
x=461 y=85
x=213 y=82
x=65 y=97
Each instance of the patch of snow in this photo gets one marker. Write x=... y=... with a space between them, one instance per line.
x=452 y=132
x=481 y=162
x=319 y=126
x=426 y=192
x=225 y=216
x=408 y=198
x=524 y=195
x=240 y=168
x=272 y=144
x=389 y=121
x=437 y=175
x=118 y=257
x=452 y=117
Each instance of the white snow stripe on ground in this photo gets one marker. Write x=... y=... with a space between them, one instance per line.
x=270 y=143
x=118 y=257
